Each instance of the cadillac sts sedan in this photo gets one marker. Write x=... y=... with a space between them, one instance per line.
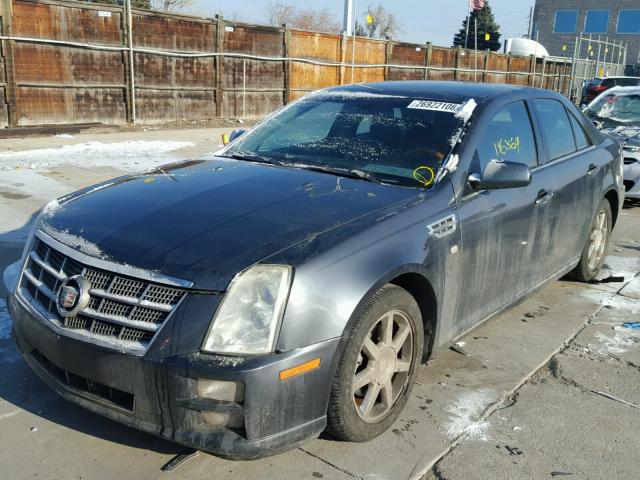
x=295 y=280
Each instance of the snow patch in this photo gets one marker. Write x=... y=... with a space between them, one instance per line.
x=74 y=241
x=464 y=413
x=132 y=155
x=620 y=342
x=358 y=95
x=5 y=321
x=612 y=301
x=627 y=267
x=466 y=110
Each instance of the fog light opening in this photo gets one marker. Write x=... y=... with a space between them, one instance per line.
x=223 y=419
x=221 y=390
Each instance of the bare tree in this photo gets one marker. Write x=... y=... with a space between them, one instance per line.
x=380 y=23
x=171 y=5
x=322 y=20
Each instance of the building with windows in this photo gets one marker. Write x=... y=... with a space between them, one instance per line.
x=557 y=23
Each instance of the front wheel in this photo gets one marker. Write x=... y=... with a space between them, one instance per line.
x=595 y=249
x=378 y=366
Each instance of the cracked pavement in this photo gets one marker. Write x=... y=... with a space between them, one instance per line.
x=522 y=405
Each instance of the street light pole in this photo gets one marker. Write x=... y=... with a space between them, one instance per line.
x=347 y=25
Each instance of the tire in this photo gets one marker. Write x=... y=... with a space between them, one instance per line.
x=390 y=372
x=595 y=248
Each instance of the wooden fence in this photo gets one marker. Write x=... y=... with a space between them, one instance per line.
x=66 y=62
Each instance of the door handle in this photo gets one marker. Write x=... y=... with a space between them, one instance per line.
x=543 y=197
x=592 y=169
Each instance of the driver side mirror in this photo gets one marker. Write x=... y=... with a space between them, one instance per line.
x=497 y=175
x=238 y=132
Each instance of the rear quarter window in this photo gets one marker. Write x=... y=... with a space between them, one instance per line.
x=580 y=135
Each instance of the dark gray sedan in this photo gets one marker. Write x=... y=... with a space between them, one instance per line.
x=295 y=280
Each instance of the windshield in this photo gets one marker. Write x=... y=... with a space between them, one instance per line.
x=391 y=139
x=617 y=108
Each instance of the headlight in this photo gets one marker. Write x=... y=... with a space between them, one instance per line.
x=248 y=319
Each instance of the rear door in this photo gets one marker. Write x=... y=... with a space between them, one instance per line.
x=501 y=229
x=576 y=168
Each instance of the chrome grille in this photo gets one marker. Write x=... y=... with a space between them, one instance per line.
x=122 y=311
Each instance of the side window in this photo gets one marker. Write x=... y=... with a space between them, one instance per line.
x=627 y=82
x=582 y=140
x=507 y=136
x=556 y=127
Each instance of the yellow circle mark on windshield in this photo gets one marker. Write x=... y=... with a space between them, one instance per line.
x=424 y=175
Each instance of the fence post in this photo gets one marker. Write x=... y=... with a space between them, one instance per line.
x=128 y=22
x=508 y=75
x=387 y=58
x=343 y=56
x=487 y=56
x=532 y=70
x=456 y=73
x=8 y=52
x=219 y=48
x=427 y=62
x=287 y=64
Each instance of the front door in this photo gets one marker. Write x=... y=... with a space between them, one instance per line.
x=501 y=229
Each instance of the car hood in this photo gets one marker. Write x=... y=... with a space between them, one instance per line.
x=205 y=220
x=626 y=135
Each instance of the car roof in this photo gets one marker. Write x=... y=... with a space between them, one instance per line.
x=618 y=89
x=439 y=90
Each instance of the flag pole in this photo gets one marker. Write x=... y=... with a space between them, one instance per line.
x=475 y=71
x=466 y=35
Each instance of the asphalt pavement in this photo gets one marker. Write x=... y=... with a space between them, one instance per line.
x=548 y=389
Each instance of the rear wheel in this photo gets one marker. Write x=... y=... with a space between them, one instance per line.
x=595 y=249
x=378 y=366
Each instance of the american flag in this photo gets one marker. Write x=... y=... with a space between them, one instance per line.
x=476 y=5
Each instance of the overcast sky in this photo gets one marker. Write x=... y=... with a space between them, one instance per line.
x=422 y=20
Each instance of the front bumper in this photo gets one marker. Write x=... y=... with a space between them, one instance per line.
x=161 y=396
x=631 y=174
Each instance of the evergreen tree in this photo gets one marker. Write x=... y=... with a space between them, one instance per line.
x=486 y=25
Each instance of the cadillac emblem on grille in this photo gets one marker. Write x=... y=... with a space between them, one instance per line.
x=73 y=296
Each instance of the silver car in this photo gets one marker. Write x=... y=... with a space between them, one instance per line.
x=617 y=112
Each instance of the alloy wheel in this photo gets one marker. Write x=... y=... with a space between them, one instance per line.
x=383 y=366
x=598 y=240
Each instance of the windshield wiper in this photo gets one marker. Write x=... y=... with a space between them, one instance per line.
x=341 y=172
x=249 y=157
